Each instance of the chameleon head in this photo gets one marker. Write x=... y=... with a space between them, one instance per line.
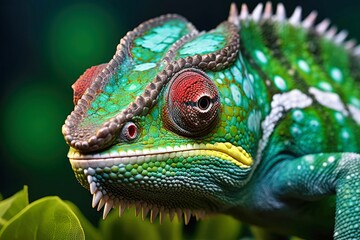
x=161 y=125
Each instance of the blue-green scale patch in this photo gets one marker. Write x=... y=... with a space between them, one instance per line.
x=254 y=44
x=144 y=66
x=135 y=73
x=205 y=43
x=153 y=44
x=159 y=38
x=236 y=95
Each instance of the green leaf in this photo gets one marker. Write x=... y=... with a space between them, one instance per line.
x=12 y=205
x=170 y=230
x=90 y=231
x=46 y=218
x=127 y=227
x=218 y=227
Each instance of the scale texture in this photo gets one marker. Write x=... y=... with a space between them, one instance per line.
x=258 y=118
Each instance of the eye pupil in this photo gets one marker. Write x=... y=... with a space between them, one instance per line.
x=204 y=103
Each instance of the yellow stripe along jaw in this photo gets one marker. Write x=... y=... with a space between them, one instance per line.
x=120 y=168
x=236 y=155
x=226 y=151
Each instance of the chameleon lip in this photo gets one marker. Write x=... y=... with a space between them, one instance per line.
x=226 y=151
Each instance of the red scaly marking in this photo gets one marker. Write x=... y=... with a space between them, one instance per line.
x=85 y=80
x=193 y=104
x=189 y=87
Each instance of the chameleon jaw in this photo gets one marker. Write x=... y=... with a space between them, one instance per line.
x=225 y=151
x=104 y=199
x=101 y=200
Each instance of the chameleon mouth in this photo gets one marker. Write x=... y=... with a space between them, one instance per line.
x=88 y=163
x=226 y=151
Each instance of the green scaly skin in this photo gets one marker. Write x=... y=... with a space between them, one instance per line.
x=258 y=118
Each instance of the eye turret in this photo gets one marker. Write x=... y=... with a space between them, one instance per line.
x=193 y=106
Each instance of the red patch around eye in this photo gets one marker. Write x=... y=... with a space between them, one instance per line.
x=189 y=87
x=85 y=80
x=192 y=107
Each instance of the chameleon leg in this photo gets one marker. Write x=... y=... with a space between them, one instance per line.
x=312 y=177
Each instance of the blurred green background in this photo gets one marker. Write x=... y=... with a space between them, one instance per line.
x=46 y=45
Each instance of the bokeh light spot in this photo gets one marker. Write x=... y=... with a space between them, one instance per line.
x=31 y=127
x=79 y=38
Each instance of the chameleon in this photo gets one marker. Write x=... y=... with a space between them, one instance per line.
x=258 y=118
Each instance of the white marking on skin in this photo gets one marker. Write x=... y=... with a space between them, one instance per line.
x=310 y=159
x=132 y=87
x=329 y=100
x=303 y=66
x=248 y=88
x=314 y=123
x=325 y=86
x=254 y=121
x=336 y=74
x=219 y=80
x=339 y=117
x=331 y=159
x=237 y=74
x=355 y=102
x=280 y=83
x=144 y=66
x=345 y=134
x=298 y=115
x=280 y=104
x=251 y=78
x=295 y=131
x=261 y=56
x=235 y=94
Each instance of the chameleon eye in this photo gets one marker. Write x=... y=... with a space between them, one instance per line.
x=192 y=104
x=129 y=131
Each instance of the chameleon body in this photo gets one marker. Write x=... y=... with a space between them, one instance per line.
x=258 y=118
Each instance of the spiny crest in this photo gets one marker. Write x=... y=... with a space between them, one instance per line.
x=261 y=13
